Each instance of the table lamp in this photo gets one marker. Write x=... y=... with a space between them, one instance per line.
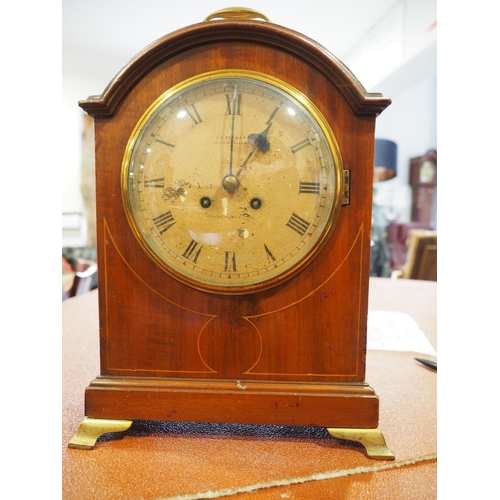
x=386 y=160
x=384 y=168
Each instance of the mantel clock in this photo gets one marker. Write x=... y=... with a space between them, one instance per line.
x=234 y=170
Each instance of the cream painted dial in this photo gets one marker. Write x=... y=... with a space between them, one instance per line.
x=231 y=181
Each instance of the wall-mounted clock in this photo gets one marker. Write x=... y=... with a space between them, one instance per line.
x=234 y=165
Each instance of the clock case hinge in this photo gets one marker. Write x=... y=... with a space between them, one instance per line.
x=346 y=188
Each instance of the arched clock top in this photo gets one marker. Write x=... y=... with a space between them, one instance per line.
x=211 y=32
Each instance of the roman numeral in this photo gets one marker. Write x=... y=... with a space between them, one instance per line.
x=165 y=143
x=155 y=183
x=309 y=188
x=273 y=114
x=192 y=251
x=164 y=221
x=230 y=261
x=270 y=256
x=237 y=105
x=298 y=224
x=300 y=145
x=193 y=114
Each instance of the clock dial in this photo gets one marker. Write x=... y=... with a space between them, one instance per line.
x=231 y=181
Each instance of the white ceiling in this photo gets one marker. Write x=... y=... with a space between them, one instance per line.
x=101 y=36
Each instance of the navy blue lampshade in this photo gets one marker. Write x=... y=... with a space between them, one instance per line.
x=386 y=160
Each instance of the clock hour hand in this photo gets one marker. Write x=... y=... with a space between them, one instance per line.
x=244 y=164
x=258 y=141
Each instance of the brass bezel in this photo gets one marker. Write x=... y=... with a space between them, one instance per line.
x=309 y=106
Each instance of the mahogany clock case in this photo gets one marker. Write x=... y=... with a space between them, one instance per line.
x=291 y=354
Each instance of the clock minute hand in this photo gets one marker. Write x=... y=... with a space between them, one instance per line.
x=232 y=132
x=230 y=182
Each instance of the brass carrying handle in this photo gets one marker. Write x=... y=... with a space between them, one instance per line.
x=237 y=13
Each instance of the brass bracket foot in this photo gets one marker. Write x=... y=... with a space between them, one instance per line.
x=372 y=439
x=92 y=428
